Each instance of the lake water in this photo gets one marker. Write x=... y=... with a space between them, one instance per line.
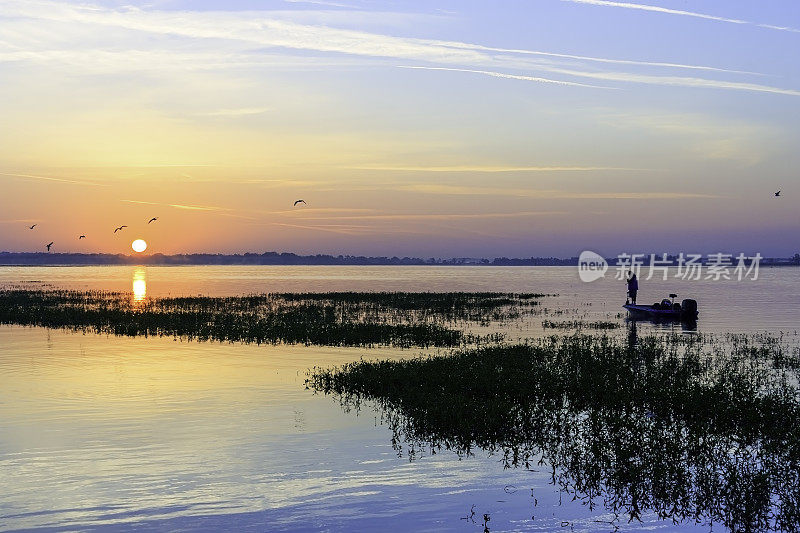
x=101 y=432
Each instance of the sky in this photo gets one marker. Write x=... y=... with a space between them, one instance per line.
x=427 y=128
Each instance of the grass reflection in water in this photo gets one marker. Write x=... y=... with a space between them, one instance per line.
x=692 y=429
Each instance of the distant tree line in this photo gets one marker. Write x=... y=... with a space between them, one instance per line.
x=266 y=258
x=288 y=258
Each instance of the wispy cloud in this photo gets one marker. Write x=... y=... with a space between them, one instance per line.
x=358 y=229
x=223 y=30
x=507 y=76
x=445 y=216
x=387 y=227
x=659 y=9
x=344 y=229
x=19 y=221
x=432 y=188
x=244 y=212
x=709 y=137
x=237 y=112
x=189 y=207
x=50 y=178
x=233 y=215
x=306 y=210
x=491 y=169
x=675 y=81
x=593 y=58
x=171 y=165
x=319 y=3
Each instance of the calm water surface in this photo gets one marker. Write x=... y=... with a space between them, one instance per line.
x=104 y=432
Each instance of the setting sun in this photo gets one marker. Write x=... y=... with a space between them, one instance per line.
x=139 y=245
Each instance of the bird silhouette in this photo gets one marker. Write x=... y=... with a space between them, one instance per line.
x=778 y=193
x=152 y=220
x=82 y=237
x=33 y=226
x=49 y=245
x=299 y=202
x=120 y=228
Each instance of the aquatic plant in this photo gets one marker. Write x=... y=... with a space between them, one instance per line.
x=689 y=430
x=336 y=319
x=481 y=307
x=580 y=324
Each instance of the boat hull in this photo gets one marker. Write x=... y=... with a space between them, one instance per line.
x=649 y=312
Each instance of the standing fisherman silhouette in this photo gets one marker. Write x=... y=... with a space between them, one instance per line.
x=633 y=288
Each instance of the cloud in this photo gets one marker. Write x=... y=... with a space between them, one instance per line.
x=659 y=9
x=189 y=207
x=344 y=229
x=19 y=221
x=432 y=188
x=302 y=210
x=49 y=178
x=225 y=211
x=148 y=59
x=250 y=27
x=592 y=58
x=347 y=229
x=508 y=76
x=489 y=169
x=676 y=81
x=445 y=216
x=708 y=137
x=238 y=112
x=319 y=3
x=125 y=60
x=169 y=165
x=234 y=35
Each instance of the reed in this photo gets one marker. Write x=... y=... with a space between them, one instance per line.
x=691 y=430
x=334 y=319
x=580 y=324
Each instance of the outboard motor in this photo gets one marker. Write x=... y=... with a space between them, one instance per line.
x=689 y=308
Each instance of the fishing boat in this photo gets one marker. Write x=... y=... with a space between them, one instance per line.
x=667 y=309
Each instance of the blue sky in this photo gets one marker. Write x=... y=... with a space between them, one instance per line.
x=411 y=128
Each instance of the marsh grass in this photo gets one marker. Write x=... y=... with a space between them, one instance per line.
x=691 y=429
x=335 y=319
x=580 y=324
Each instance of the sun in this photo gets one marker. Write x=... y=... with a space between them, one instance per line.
x=139 y=245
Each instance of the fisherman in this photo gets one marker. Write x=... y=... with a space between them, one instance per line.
x=633 y=288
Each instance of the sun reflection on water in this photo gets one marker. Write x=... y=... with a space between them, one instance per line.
x=139 y=284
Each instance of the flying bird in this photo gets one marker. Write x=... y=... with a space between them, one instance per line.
x=120 y=228
x=299 y=202
x=49 y=245
x=778 y=193
x=152 y=220
x=33 y=226
x=82 y=237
